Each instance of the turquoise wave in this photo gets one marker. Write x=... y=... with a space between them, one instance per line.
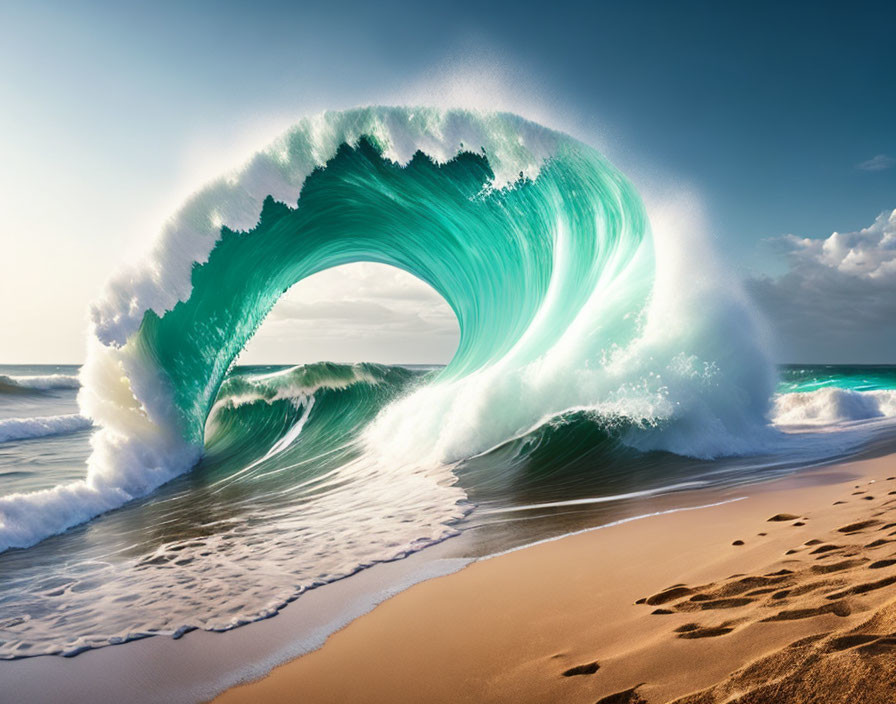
x=540 y=247
x=490 y=253
x=799 y=378
x=307 y=419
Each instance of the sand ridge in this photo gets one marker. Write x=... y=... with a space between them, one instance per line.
x=850 y=570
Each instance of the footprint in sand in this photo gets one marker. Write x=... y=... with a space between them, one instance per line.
x=838 y=566
x=840 y=608
x=780 y=594
x=694 y=630
x=864 y=588
x=847 y=642
x=782 y=517
x=670 y=594
x=714 y=604
x=855 y=527
x=628 y=696
x=587 y=669
x=878 y=543
x=825 y=548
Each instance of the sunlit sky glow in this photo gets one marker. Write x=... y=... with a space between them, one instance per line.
x=780 y=117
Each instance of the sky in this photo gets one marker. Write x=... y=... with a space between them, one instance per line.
x=779 y=115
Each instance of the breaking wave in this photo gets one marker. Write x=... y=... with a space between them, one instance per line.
x=567 y=303
x=26 y=428
x=29 y=384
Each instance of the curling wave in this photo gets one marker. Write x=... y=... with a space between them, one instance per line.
x=565 y=303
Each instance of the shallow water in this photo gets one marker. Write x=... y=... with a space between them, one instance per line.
x=286 y=500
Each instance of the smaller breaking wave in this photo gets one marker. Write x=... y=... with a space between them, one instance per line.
x=10 y=384
x=833 y=405
x=27 y=428
x=834 y=395
x=301 y=381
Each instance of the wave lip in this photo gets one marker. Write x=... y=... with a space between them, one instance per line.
x=42 y=426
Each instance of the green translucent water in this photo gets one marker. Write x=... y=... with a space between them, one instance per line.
x=802 y=378
x=490 y=253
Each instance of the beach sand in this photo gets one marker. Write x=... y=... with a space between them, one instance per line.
x=788 y=595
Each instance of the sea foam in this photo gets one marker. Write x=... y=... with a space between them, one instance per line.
x=833 y=405
x=25 y=428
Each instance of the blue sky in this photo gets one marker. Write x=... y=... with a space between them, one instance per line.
x=780 y=115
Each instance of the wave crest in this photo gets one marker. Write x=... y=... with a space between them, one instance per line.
x=11 y=384
x=26 y=428
x=833 y=405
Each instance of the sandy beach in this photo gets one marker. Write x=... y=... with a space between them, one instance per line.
x=787 y=595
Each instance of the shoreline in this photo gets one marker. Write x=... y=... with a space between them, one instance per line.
x=202 y=665
x=509 y=627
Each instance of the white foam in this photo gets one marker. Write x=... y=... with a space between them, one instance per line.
x=28 y=518
x=285 y=389
x=25 y=428
x=613 y=524
x=696 y=379
x=832 y=405
x=659 y=491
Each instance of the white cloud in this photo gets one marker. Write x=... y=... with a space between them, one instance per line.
x=837 y=302
x=870 y=252
x=881 y=162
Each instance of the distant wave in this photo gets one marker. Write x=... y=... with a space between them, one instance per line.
x=10 y=384
x=25 y=428
x=831 y=405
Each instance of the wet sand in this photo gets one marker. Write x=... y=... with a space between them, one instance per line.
x=788 y=595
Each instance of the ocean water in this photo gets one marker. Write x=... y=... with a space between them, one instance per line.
x=605 y=359
x=282 y=501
